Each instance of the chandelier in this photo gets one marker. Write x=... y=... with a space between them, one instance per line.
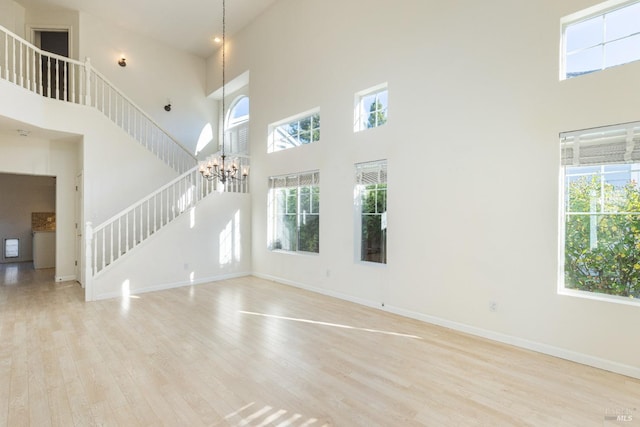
x=214 y=168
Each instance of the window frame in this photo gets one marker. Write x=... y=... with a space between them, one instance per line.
x=614 y=146
x=599 y=10
x=292 y=182
x=277 y=132
x=361 y=114
x=5 y=248
x=360 y=187
x=236 y=134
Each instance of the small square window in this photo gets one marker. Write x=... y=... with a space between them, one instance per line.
x=371 y=108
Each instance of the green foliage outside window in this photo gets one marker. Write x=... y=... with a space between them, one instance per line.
x=377 y=115
x=374 y=236
x=306 y=130
x=298 y=220
x=602 y=240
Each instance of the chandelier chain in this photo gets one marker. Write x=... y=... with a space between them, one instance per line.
x=220 y=169
x=224 y=42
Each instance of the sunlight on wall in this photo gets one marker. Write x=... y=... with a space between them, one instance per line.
x=230 y=241
x=236 y=236
x=192 y=218
x=226 y=244
x=126 y=293
x=192 y=276
x=186 y=199
x=206 y=136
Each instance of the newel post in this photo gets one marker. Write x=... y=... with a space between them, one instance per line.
x=87 y=81
x=88 y=262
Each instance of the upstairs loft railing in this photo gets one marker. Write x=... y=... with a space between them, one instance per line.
x=68 y=80
x=112 y=239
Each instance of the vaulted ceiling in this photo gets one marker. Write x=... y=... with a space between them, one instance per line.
x=189 y=25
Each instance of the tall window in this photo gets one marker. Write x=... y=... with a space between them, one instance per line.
x=293 y=132
x=371 y=210
x=237 y=128
x=601 y=211
x=601 y=37
x=294 y=212
x=371 y=108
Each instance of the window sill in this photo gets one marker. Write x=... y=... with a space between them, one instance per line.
x=299 y=253
x=599 y=297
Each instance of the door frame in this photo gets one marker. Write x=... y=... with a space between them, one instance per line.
x=33 y=29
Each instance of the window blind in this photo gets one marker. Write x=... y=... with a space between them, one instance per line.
x=371 y=173
x=603 y=145
x=290 y=181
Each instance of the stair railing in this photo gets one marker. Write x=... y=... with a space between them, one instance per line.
x=112 y=239
x=73 y=81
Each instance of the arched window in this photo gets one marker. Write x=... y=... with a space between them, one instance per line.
x=237 y=126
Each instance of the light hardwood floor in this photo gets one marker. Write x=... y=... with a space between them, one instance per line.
x=252 y=352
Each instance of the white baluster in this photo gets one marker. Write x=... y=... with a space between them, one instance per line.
x=135 y=235
x=103 y=249
x=119 y=237
x=87 y=80
x=6 y=56
x=13 y=59
x=73 y=84
x=110 y=243
x=127 y=232
x=148 y=218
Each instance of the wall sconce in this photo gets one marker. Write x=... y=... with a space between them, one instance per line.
x=122 y=62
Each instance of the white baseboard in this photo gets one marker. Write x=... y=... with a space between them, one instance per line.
x=585 y=359
x=65 y=278
x=165 y=286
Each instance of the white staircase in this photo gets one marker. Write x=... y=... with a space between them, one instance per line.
x=67 y=80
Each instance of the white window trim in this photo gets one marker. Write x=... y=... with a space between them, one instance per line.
x=358 y=112
x=275 y=125
x=357 y=216
x=571 y=140
x=315 y=176
x=583 y=15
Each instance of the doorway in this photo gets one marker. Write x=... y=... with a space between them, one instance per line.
x=54 y=72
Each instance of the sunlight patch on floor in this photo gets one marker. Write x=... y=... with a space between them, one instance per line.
x=256 y=416
x=335 y=325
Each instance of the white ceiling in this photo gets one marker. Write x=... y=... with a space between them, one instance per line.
x=189 y=25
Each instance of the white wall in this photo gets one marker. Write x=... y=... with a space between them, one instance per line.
x=475 y=108
x=211 y=242
x=12 y=16
x=154 y=73
x=22 y=195
x=50 y=18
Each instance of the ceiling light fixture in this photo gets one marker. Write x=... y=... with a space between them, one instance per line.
x=214 y=167
x=122 y=62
